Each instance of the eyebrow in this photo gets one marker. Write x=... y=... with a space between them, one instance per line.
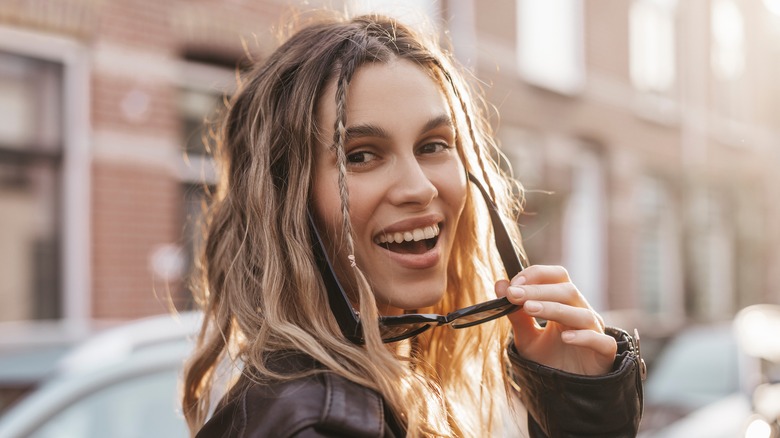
x=368 y=130
x=436 y=122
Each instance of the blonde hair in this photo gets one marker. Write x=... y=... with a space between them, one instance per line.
x=258 y=282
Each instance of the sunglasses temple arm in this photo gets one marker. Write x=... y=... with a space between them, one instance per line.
x=340 y=305
x=506 y=250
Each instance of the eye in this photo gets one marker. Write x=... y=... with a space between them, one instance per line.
x=433 y=147
x=360 y=157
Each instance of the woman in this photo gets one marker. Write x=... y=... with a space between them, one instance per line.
x=358 y=188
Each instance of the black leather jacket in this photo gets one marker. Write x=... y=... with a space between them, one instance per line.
x=559 y=404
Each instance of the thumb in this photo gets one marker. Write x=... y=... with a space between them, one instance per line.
x=524 y=325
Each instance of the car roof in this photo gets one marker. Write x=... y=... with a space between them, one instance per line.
x=118 y=343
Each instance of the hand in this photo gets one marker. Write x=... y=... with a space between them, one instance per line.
x=573 y=339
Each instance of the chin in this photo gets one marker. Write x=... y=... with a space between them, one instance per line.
x=411 y=299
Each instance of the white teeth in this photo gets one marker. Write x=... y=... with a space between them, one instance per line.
x=415 y=235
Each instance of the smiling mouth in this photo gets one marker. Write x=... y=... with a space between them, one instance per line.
x=417 y=241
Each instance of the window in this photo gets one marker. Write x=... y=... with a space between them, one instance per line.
x=727 y=58
x=652 y=45
x=421 y=14
x=659 y=245
x=31 y=154
x=773 y=6
x=550 y=44
x=44 y=177
x=712 y=251
x=728 y=40
x=584 y=227
x=203 y=88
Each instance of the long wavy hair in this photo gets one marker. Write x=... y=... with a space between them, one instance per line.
x=258 y=283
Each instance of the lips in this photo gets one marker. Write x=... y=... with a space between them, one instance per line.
x=412 y=243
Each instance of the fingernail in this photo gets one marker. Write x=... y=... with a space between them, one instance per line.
x=532 y=306
x=520 y=279
x=568 y=336
x=516 y=292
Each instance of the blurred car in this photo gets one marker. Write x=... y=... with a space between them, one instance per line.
x=31 y=350
x=699 y=386
x=123 y=382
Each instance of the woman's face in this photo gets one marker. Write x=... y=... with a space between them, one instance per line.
x=406 y=182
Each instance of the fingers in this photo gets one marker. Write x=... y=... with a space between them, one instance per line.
x=565 y=293
x=600 y=343
x=546 y=292
x=522 y=322
x=573 y=338
x=568 y=316
x=542 y=274
x=544 y=283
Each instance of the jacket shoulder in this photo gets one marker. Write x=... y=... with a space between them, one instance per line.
x=324 y=404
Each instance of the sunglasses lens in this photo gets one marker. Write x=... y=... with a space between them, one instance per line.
x=484 y=315
x=392 y=333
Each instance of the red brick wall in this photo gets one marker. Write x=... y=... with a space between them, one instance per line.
x=161 y=117
x=135 y=209
x=138 y=23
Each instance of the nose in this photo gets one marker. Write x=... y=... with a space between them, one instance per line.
x=411 y=185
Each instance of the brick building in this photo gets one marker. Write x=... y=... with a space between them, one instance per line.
x=646 y=132
x=655 y=125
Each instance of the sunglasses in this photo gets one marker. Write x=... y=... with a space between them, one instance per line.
x=399 y=327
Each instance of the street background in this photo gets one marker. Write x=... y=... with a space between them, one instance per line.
x=646 y=134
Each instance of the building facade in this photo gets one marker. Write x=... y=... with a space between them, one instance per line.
x=646 y=133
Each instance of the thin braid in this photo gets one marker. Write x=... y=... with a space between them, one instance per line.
x=339 y=139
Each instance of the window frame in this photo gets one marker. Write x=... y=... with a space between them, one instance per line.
x=75 y=229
